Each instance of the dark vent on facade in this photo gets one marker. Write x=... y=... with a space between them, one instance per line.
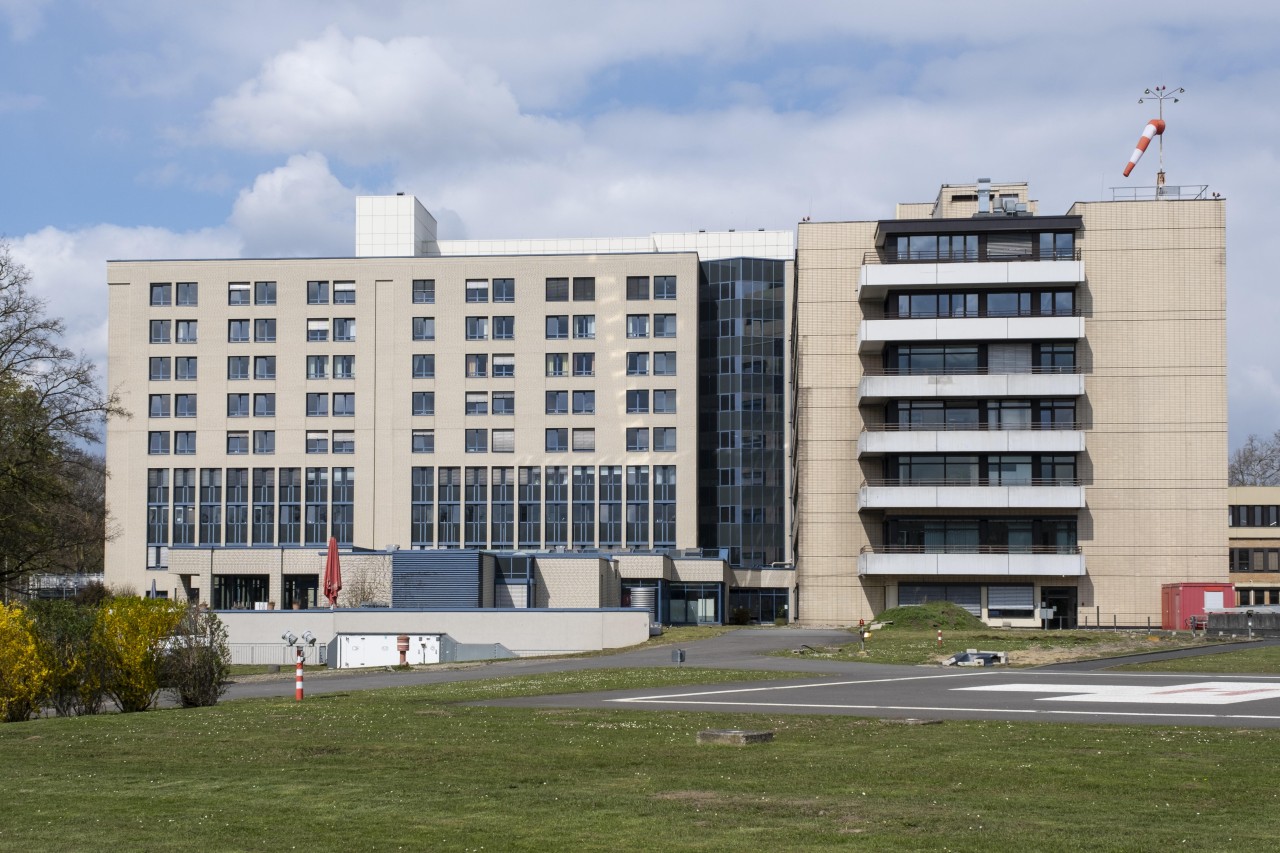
x=443 y=579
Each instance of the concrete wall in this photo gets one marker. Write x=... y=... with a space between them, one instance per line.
x=524 y=632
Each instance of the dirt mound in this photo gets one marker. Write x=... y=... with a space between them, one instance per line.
x=931 y=616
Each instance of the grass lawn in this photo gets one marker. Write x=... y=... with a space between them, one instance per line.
x=1027 y=647
x=411 y=769
x=1260 y=661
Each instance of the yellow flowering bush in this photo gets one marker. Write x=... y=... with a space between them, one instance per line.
x=23 y=672
x=132 y=633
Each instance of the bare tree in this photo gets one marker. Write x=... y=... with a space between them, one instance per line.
x=1256 y=462
x=51 y=409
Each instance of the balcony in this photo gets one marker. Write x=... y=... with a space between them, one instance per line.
x=879 y=439
x=877 y=279
x=1047 y=382
x=978 y=493
x=1038 y=561
x=873 y=334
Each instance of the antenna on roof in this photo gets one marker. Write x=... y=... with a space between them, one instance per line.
x=1155 y=127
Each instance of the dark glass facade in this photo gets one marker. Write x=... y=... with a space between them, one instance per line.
x=742 y=409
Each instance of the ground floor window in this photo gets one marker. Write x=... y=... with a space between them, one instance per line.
x=1249 y=596
x=300 y=592
x=695 y=603
x=238 y=592
x=758 y=605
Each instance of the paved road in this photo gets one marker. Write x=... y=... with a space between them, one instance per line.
x=1062 y=693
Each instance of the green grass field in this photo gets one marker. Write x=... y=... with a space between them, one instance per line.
x=1261 y=661
x=411 y=769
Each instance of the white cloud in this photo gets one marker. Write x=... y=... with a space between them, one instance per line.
x=25 y=17
x=297 y=210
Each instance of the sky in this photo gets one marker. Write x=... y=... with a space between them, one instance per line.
x=154 y=129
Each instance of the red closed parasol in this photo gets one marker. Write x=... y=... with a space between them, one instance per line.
x=332 y=573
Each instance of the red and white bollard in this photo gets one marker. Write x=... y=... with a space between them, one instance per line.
x=939 y=639
x=297 y=681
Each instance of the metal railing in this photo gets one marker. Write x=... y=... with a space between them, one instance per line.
x=277 y=653
x=969 y=549
x=891 y=256
x=969 y=371
x=1168 y=192
x=971 y=481
x=973 y=427
x=874 y=314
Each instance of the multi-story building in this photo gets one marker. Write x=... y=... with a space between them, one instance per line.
x=534 y=396
x=1254 y=557
x=1008 y=410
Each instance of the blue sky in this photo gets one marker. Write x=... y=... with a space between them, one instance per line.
x=138 y=128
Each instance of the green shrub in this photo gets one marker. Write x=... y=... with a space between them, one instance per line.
x=197 y=662
x=132 y=634
x=931 y=616
x=24 y=674
x=65 y=630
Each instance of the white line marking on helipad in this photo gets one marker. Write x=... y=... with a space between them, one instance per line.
x=765 y=689
x=1197 y=693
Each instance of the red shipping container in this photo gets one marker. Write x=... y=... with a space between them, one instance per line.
x=1181 y=602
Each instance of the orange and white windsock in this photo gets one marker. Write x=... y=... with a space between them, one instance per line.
x=1155 y=127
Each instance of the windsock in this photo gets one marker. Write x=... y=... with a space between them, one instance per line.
x=1155 y=127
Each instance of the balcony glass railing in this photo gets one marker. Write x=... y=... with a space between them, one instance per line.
x=970 y=549
x=968 y=482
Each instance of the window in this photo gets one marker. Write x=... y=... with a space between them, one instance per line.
x=238 y=293
x=158 y=443
x=557 y=363
x=477 y=328
x=158 y=369
x=264 y=441
x=1055 y=358
x=637 y=287
x=185 y=332
x=185 y=367
x=264 y=293
x=529 y=520
x=584 y=289
x=264 y=330
x=317 y=367
x=264 y=367
x=237 y=443
x=317 y=405
x=638 y=506
x=637 y=402
x=504 y=365
x=637 y=325
x=424 y=366
x=317 y=442
x=557 y=402
x=664 y=325
x=477 y=365
x=503 y=441
x=184 y=405
x=637 y=439
x=477 y=440
x=504 y=328
x=557 y=440
x=557 y=326
x=317 y=293
x=584 y=440
x=477 y=290
x=344 y=328
x=424 y=291
x=1057 y=246
x=584 y=402
x=504 y=402
x=237 y=367
x=237 y=405
x=424 y=441
x=160 y=331
x=344 y=405
x=584 y=325
x=317 y=331
x=557 y=290
x=424 y=328
x=158 y=406
x=344 y=442
x=664 y=439
x=424 y=402
x=344 y=367
x=184 y=443
x=237 y=331
x=188 y=293
x=161 y=294
x=504 y=290
x=664 y=364
x=664 y=287
x=664 y=401
x=476 y=403
x=264 y=405
x=637 y=364
x=344 y=293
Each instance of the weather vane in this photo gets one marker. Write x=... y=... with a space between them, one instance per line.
x=1155 y=127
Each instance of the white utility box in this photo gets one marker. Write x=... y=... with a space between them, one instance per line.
x=361 y=650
